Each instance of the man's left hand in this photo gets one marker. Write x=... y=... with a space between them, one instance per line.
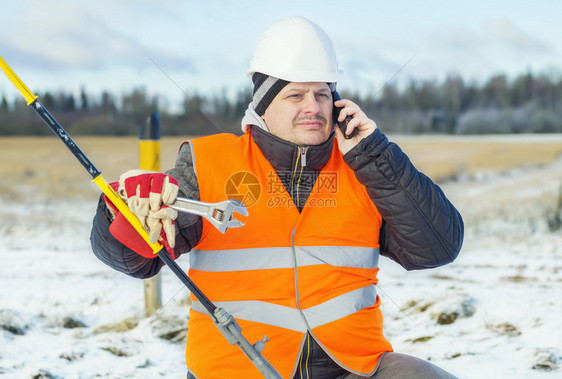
x=360 y=123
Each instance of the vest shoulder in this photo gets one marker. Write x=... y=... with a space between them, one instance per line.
x=224 y=146
x=218 y=139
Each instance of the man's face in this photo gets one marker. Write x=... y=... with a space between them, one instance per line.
x=301 y=113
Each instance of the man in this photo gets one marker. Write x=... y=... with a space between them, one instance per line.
x=303 y=269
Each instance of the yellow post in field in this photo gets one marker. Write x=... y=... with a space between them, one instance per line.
x=149 y=153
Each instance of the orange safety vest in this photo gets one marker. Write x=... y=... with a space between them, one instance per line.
x=284 y=273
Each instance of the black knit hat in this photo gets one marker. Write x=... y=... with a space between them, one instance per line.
x=265 y=89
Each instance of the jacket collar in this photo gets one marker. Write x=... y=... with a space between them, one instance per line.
x=283 y=154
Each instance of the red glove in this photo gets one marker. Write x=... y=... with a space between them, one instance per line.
x=125 y=233
x=147 y=193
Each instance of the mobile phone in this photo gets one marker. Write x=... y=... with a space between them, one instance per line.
x=341 y=124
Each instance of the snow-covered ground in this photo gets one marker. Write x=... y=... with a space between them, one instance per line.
x=493 y=313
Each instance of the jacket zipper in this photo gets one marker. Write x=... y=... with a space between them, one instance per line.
x=302 y=159
x=304 y=364
x=303 y=155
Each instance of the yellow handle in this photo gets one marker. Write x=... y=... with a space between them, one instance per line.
x=29 y=96
x=123 y=208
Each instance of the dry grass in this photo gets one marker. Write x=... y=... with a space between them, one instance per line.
x=45 y=165
x=445 y=157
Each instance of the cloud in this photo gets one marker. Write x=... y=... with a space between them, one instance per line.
x=478 y=50
x=454 y=38
x=168 y=62
x=514 y=38
x=80 y=37
x=43 y=35
x=21 y=57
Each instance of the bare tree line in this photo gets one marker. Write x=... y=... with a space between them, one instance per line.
x=526 y=104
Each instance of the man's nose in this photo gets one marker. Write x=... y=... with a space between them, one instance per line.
x=311 y=105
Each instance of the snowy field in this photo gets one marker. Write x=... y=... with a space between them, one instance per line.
x=493 y=313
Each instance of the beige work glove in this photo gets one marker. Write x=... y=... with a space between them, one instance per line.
x=147 y=194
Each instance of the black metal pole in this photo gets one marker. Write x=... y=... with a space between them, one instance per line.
x=209 y=306
x=64 y=137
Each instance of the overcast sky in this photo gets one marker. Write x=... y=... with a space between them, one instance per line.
x=207 y=45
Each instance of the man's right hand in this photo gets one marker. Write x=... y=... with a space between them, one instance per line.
x=364 y=126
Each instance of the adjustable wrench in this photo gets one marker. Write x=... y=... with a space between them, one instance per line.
x=218 y=214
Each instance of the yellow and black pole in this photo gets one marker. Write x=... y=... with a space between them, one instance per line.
x=149 y=143
x=223 y=321
x=149 y=159
x=59 y=131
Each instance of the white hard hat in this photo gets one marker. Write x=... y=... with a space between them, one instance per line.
x=297 y=50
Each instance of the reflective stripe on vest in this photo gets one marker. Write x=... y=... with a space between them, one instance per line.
x=290 y=318
x=282 y=257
